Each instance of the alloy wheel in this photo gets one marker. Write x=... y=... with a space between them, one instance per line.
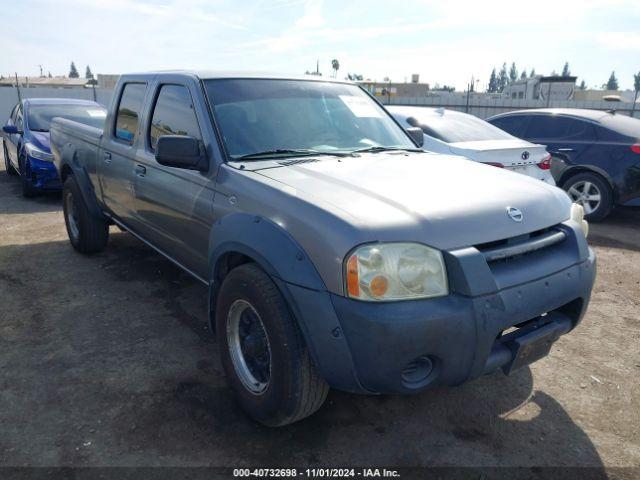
x=587 y=194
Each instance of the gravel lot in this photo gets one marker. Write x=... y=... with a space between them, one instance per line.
x=106 y=361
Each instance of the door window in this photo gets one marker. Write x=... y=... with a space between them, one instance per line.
x=173 y=114
x=559 y=128
x=129 y=109
x=513 y=124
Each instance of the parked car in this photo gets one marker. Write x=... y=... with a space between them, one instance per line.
x=596 y=155
x=336 y=252
x=26 y=138
x=448 y=131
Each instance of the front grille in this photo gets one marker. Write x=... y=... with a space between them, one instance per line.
x=521 y=245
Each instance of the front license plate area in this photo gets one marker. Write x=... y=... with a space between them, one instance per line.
x=532 y=346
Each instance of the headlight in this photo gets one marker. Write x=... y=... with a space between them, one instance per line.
x=395 y=271
x=35 y=152
x=577 y=215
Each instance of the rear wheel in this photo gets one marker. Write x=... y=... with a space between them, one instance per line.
x=86 y=233
x=7 y=164
x=28 y=190
x=264 y=355
x=592 y=192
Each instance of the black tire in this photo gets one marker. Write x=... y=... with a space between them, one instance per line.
x=87 y=233
x=575 y=185
x=28 y=190
x=294 y=389
x=7 y=164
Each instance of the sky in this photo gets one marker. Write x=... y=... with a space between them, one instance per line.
x=444 y=41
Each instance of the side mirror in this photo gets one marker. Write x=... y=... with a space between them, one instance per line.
x=181 y=151
x=416 y=135
x=10 y=129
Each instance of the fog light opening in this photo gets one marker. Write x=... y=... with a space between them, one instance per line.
x=418 y=372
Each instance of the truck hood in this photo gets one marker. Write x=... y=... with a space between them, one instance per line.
x=441 y=200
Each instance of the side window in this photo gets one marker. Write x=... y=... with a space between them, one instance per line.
x=173 y=114
x=14 y=113
x=514 y=124
x=19 y=122
x=548 y=126
x=129 y=111
x=580 y=130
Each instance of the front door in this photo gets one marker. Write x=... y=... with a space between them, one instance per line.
x=174 y=206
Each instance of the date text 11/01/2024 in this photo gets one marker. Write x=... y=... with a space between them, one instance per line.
x=316 y=472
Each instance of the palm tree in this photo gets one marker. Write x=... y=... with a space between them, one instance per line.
x=335 y=64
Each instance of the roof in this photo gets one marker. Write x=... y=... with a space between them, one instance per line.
x=58 y=101
x=594 y=115
x=214 y=74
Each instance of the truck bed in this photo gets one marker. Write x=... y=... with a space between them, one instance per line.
x=75 y=138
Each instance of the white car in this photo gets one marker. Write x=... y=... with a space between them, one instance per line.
x=448 y=131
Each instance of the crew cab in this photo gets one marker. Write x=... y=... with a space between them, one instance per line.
x=336 y=252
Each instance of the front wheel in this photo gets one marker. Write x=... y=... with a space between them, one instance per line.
x=7 y=164
x=592 y=192
x=86 y=233
x=263 y=352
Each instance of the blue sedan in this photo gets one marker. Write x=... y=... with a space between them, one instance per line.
x=26 y=138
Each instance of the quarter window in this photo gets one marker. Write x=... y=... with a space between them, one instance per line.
x=173 y=114
x=129 y=111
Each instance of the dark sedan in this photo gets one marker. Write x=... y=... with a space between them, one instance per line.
x=596 y=154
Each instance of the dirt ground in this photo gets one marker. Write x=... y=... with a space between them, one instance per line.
x=106 y=361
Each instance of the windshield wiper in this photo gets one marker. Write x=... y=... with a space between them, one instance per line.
x=287 y=152
x=378 y=148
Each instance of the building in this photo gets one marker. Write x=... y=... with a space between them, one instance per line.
x=540 y=87
x=56 y=82
x=593 y=95
x=107 y=81
x=396 y=89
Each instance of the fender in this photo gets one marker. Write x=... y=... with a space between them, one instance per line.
x=286 y=262
x=69 y=160
x=575 y=169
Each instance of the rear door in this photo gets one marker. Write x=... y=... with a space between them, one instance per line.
x=566 y=137
x=117 y=157
x=174 y=206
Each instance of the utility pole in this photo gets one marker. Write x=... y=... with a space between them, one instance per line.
x=18 y=87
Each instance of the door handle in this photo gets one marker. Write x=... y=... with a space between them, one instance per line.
x=566 y=150
x=107 y=158
x=141 y=170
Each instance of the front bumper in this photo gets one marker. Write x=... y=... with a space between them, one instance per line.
x=405 y=347
x=43 y=175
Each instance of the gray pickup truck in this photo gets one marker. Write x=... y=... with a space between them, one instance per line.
x=335 y=251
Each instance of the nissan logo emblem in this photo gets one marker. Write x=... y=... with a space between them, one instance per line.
x=525 y=155
x=515 y=214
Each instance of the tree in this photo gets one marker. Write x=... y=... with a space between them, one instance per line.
x=513 y=73
x=533 y=72
x=583 y=86
x=49 y=74
x=565 y=70
x=523 y=75
x=612 y=83
x=73 y=71
x=87 y=74
x=493 y=82
x=503 y=78
x=335 y=65
x=636 y=87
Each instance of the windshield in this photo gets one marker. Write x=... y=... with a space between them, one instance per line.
x=452 y=127
x=260 y=115
x=39 y=116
